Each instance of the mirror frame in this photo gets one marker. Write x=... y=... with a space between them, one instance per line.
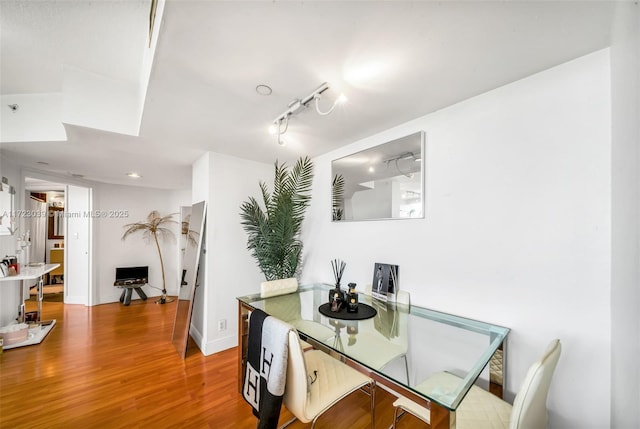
x=358 y=157
x=189 y=277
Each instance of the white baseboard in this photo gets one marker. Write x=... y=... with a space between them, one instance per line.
x=220 y=344
x=70 y=299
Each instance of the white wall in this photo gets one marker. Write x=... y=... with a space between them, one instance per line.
x=230 y=270
x=9 y=291
x=111 y=252
x=625 y=256
x=517 y=226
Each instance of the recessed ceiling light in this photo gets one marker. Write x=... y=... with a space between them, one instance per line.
x=134 y=175
x=263 y=89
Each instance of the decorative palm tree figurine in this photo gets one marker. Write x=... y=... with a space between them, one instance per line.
x=155 y=227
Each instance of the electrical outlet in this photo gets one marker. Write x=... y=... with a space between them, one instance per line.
x=222 y=325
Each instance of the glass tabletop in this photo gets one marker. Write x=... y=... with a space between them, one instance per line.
x=436 y=355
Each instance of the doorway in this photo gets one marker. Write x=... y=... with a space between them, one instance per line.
x=62 y=236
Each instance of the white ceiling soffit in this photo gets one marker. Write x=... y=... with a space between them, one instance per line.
x=394 y=60
x=35 y=185
x=74 y=62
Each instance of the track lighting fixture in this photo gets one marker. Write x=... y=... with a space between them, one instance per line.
x=281 y=123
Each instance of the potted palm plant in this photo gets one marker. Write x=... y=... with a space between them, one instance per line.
x=156 y=228
x=273 y=228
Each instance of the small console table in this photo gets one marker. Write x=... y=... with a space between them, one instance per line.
x=42 y=328
x=128 y=288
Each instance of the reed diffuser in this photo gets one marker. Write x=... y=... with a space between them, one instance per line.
x=337 y=298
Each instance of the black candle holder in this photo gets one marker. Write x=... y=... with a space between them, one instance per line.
x=336 y=299
x=352 y=299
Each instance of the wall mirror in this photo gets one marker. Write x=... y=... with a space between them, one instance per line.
x=55 y=216
x=382 y=182
x=7 y=193
x=192 y=227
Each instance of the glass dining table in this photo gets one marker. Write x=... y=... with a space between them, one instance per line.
x=428 y=356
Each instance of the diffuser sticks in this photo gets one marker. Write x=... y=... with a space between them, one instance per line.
x=338 y=268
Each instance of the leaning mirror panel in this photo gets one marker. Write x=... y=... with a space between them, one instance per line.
x=382 y=182
x=192 y=232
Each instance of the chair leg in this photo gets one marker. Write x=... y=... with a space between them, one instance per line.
x=406 y=367
x=396 y=416
x=288 y=423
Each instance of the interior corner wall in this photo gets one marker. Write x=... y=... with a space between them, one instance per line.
x=230 y=271
x=130 y=204
x=517 y=229
x=8 y=244
x=200 y=190
x=625 y=255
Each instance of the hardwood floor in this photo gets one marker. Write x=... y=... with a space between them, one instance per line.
x=113 y=366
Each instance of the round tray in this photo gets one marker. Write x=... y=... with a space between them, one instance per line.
x=364 y=312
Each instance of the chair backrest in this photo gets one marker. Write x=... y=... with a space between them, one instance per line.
x=403 y=297
x=530 y=405
x=296 y=390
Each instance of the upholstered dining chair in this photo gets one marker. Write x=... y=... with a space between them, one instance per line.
x=316 y=381
x=289 y=309
x=481 y=409
x=378 y=351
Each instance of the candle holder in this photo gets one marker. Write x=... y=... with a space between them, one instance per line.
x=336 y=300
x=352 y=299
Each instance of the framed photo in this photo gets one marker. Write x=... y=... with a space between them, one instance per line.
x=385 y=281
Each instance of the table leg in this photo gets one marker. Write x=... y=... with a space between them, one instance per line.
x=496 y=372
x=141 y=293
x=127 y=296
x=442 y=418
x=21 y=309
x=40 y=290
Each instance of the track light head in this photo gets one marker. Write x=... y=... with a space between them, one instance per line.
x=297 y=105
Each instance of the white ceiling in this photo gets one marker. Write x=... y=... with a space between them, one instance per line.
x=395 y=61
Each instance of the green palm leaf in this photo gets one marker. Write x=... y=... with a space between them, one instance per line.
x=273 y=230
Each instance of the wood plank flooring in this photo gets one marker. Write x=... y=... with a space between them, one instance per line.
x=113 y=366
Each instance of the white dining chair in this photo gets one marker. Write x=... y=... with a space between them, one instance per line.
x=288 y=309
x=316 y=381
x=483 y=410
x=379 y=351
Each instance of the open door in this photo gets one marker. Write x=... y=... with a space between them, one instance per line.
x=78 y=246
